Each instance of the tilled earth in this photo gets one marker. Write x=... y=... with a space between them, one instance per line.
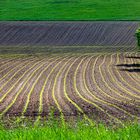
x=99 y=33
x=96 y=86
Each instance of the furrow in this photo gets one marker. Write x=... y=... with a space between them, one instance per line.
x=105 y=94
x=88 y=101
x=34 y=83
x=132 y=75
x=43 y=86
x=105 y=83
x=42 y=89
x=69 y=99
x=22 y=87
x=14 y=74
x=131 y=87
x=120 y=89
x=133 y=82
x=53 y=92
x=125 y=82
x=103 y=79
x=14 y=66
x=4 y=63
x=98 y=99
x=1 y=99
x=134 y=59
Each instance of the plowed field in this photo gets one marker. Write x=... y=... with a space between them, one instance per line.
x=60 y=33
x=96 y=86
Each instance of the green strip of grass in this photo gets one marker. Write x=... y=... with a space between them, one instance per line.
x=48 y=50
x=79 y=131
x=69 y=10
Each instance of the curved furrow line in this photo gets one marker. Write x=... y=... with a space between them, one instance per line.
x=99 y=99
x=131 y=84
x=105 y=83
x=137 y=61
x=104 y=94
x=48 y=103
x=134 y=75
x=124 y=101
x=115 y=80
x=9 y=64
x=71 y=92
x=129 y=74
x=40 y=109
x=16 y=65
x=14 y=74
x=88 y=101
x=42 y=90
x=5 y=62
x=67 y=95
x=59 y=90
x=116 y=85
x=123 y=98
x=53 y=92
x=51 y=73
x=2 y=98
x=131 y=89
x=22 y=87
x=35 y=83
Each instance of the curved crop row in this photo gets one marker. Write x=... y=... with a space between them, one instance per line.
x=90 y=85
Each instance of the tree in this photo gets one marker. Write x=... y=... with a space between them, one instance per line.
x=138 y=37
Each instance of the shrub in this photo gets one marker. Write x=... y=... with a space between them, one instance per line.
x=138 y=37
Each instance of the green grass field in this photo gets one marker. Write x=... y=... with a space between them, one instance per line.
x=53 y=130
x=70 y=10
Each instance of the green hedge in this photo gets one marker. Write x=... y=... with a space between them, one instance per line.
x=138 y=37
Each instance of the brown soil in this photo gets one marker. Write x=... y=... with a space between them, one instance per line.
x=100 y=98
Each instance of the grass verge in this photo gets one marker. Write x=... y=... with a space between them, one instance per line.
x=53 y=130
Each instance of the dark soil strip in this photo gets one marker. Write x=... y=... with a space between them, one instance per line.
x=68 y=33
